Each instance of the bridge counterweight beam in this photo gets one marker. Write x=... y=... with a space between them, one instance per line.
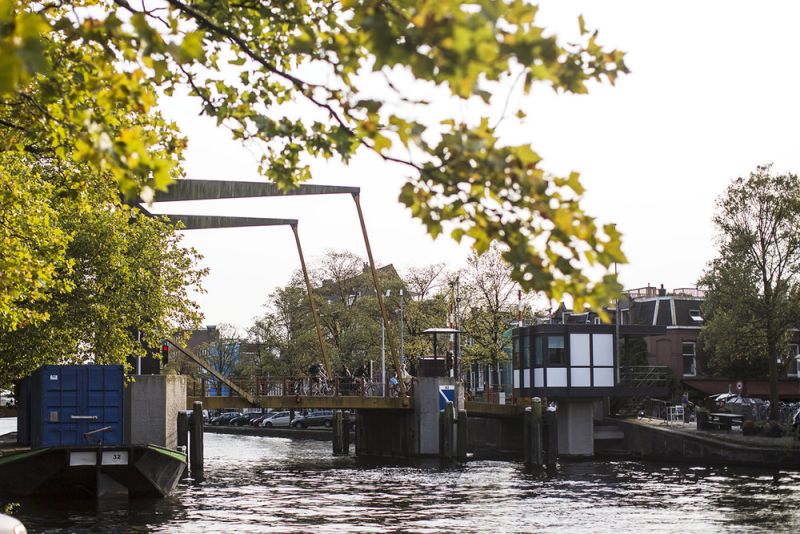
x=314 y=313
x=381 y=304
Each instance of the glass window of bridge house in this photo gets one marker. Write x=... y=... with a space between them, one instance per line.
x=556 y=355
x=525 y=352
x=515 y=352
x=538 y=358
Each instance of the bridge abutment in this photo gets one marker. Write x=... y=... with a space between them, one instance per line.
x=417 y=433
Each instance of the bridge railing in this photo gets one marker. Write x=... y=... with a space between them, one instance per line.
x=306 y=386
x=491 y=394
x=645 y=376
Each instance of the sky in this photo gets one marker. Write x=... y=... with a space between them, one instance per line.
x=713 y=92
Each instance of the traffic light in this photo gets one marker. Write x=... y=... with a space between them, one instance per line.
x=164 y=352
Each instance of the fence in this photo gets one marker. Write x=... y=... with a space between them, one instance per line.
x=307 y=386
x=491 y=394
x=638 y=376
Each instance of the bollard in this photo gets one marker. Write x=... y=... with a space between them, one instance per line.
x=183 y=436
x=551 y=439
x=461 y=438
x=533 y=445
x=338 y=431
x=446 y=432
x=196 y=441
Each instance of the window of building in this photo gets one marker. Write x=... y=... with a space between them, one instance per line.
x=689 y=358
x=794 y=364
x=538 y=362
x=525 y=352
x=556 y=355
x=515 y=352
x=695 y=316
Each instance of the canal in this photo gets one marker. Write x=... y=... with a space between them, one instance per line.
x=259 y=484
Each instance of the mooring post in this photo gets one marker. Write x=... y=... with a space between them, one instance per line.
x=533 y=446
x=338 y=433
x=461 y=438
x=183 y=434
x=446 y=432
x=551 y=443
x=196 y=441
x=346 y=433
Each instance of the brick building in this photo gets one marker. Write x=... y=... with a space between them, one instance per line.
x=680 y=349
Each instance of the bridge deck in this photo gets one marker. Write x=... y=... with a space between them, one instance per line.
x=305 y=402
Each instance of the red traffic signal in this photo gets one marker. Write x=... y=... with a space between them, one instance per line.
x=164 y=352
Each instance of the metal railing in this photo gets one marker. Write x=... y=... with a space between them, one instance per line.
x=307 y=386
x=645 y=376
x=491 y=394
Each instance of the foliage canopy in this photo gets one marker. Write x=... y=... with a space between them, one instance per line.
x=80 y=84
x=753 y=297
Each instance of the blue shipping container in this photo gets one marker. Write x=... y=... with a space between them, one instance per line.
x=67 y=401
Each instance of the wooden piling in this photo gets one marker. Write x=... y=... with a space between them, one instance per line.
x=196 y=441
x=461 y=438
x=338 y=433
x=183 y=435
x=346 y=433
x=551 y=439
x=533 y=442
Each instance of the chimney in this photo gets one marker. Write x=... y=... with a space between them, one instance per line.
x=661 y=291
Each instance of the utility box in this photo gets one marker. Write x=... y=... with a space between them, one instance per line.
x=152 y=403
x=68 y=403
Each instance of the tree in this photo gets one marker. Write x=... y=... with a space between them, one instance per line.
x=125 y=272
x=489 y=309
x=421 y=281
x=753 y=297
x=80 y=82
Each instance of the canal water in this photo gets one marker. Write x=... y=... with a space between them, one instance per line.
x=258 y=484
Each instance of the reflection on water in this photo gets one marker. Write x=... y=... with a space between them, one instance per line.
x=276 y=485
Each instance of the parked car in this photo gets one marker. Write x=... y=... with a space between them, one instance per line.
x=315 y=418
x=224 y=418
x=244 y=419
x=276 y=420
x=257 y=421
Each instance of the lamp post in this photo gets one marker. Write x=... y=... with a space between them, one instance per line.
x=383 y=358
x=402 y=352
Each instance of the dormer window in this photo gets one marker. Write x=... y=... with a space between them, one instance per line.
x=695 y=316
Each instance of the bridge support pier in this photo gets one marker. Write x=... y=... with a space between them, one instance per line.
x=576 y=428
x=417 y=433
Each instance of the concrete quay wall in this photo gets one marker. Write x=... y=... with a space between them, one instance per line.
x=665 y=444
x=291 y=433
